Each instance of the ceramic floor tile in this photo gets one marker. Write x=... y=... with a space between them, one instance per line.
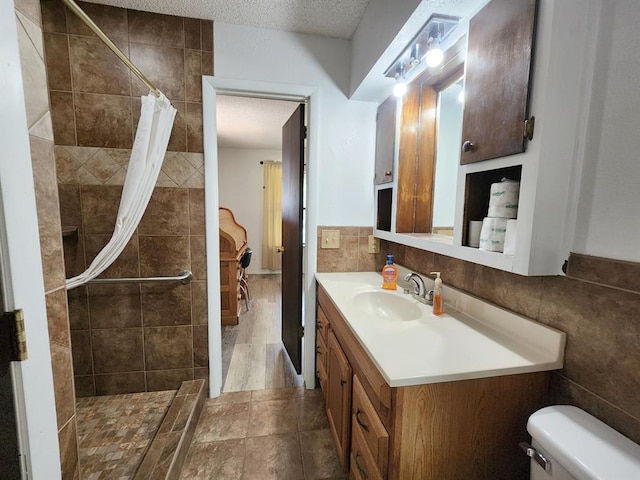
x=272 y=417
x=215 y=461
x=319 y=455
x=275 y=457
x=222 y=422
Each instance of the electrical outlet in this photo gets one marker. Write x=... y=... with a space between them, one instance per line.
x=330 y=239
x=374 y=244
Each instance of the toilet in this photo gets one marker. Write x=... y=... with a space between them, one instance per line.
x=570 y=444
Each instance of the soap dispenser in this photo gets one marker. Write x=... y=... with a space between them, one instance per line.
x=389 y=274
x=437 y=294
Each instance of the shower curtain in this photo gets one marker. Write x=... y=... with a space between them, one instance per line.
x=272 y=217
x=147 y=154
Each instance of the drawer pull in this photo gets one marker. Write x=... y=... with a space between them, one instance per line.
x=362 y=471
x=364 y=426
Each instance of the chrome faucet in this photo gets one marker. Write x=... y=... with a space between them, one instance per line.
x=420 y=292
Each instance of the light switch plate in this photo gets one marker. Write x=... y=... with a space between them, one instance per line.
x=374 y=244
x=330 y=239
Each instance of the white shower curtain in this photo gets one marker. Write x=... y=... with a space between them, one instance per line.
x=147 y=154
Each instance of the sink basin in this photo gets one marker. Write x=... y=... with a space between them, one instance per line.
x=388 y=306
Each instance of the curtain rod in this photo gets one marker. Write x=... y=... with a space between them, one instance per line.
x=73 y=6
x=183 y=277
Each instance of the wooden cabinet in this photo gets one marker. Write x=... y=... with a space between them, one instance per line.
x=468 y=429
x=338 y=397
x=385 y=140
x=233 y=243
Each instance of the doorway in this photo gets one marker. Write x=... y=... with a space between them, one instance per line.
x=212 y=88
x=250 y=166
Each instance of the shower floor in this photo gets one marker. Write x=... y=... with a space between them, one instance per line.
x=115 y=431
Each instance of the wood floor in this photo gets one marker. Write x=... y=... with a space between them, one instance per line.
x=253 y=357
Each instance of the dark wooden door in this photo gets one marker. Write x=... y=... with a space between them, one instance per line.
x=9 y=454
x=293 y=134
x=496 y=85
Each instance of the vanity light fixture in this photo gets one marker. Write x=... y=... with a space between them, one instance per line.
x=400 y=88
x=427 y=45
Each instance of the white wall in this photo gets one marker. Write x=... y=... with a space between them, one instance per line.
x=240 y=190
x=346 y=129
x=608 y=224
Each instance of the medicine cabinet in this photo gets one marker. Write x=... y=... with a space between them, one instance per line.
x=505 y=81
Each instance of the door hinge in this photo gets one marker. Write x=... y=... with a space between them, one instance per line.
x=304 y=132
x=301 y=331
x=529 y=126
x=14 y=323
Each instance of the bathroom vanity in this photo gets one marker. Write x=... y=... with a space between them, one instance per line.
x=410 y=395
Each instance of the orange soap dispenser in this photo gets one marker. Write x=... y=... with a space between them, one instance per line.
x=389 y=274
x=437 y=294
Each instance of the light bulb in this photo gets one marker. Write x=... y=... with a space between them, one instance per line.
x=434 y=56
x=400 y=88
x=461 y=96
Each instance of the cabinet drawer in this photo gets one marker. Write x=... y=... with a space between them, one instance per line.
x=363 y=466
x=368 y=423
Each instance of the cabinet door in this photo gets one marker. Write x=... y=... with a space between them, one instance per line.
x=497 y=80
x=339 y=378
x=385 y=140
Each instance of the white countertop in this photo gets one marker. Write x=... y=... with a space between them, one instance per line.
x=485 y=341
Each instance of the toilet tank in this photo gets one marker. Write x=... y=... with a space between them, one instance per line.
x=581 y=447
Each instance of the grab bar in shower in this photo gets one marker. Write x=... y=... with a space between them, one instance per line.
x=184 y=277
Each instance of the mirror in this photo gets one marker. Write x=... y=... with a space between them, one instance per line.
x=449 y=134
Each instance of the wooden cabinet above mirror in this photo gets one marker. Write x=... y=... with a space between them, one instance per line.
x=497 y=80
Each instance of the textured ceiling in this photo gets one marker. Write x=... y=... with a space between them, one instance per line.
x=330 y=18
x=251 y=122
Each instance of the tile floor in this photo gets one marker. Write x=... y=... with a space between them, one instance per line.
x=115 y=431
x=275 y=434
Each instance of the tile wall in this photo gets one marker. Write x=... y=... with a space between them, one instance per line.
x=157 y=332
x=597 y=305
x=30 y=38
x=137 y=337
x=352 y=256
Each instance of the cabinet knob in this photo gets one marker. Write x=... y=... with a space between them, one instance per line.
x=387 y=173
x=468 y=146
x=318 y=350
x=342 y=382
x=280 y=249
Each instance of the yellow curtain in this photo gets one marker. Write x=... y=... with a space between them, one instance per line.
x=272 y=217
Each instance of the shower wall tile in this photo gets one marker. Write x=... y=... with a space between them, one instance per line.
x=63 y=383
x=178 y=138
x=198 y=257
x=163 y=66
x=196 y=211
x=166 y=305
x=58 y=318
x=199 y=303
x=192 y=34
x=48 y=212
x=122 y=382
x=207 y=63
x=68 y=439
x=99 y=208
x=111 y=20
x=96 y=69
x=156 y=29
x=31 y=10
x=78 y=308
x=160 y=380
x=117 y=350
x=63 y=118
x=85 y=386
x=58 y=66
x=96 y=114
x=200 y=346
x=163 y=255
x=115 y=306
x=207 y=35
x=194 y=128
x=168 y=347
x=81 y=352
x=165 y=214
x=193 y=69
x=53 y=16
x=70 y=208
x=126 y=265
